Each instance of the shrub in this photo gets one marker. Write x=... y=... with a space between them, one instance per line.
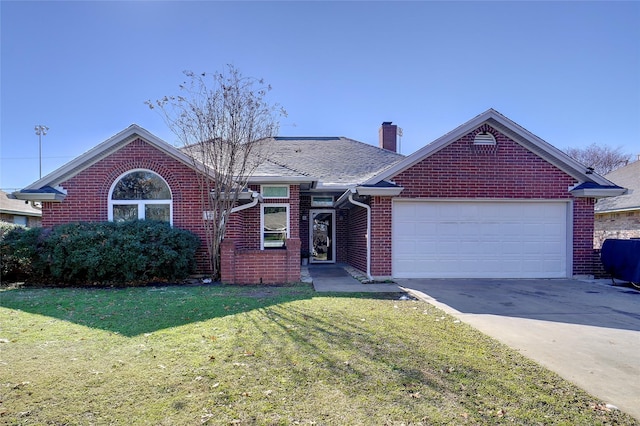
x=18 y=251
x=109 y=253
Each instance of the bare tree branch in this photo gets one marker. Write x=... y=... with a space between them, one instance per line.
x=603 y=159
x=221 y=119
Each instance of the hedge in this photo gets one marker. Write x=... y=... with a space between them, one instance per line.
x=120 y=253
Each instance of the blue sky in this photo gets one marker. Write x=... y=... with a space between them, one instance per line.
x=567 y=71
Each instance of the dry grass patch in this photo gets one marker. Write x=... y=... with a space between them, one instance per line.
x=255 y=355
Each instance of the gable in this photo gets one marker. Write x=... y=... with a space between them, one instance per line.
x=464 y=168
x=106 y=149
x=511 y=130
x=136 y=154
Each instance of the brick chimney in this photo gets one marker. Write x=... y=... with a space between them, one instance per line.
x=387 y=136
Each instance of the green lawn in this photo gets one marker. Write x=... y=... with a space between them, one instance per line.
x=191 y=355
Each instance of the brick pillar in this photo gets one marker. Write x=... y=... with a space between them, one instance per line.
x=228 y=261
x=293 y=260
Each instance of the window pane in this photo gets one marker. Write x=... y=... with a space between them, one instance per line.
x=125 y=212
x=322 y=201
x=275 y=218
x=20 y=220
x=141 y=185
x=275 y=191
x=274 y=240
x=157 y=212
x=275 y=226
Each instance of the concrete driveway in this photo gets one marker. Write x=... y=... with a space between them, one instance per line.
x=586 y=331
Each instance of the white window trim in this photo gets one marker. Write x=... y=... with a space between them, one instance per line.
x=262 y=207
x=274 y=186
x=139 y=203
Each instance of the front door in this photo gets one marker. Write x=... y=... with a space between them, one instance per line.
x=322 y=236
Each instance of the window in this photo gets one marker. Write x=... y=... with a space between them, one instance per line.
x=321 y=201
x=275 y=191
x=140 y=194
x=274 y=221
x=20 y=220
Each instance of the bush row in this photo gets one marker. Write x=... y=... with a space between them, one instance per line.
x=121 y=253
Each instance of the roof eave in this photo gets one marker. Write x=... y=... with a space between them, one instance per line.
x=598 y=192
x=40 y=196
x=619 y=210
x=21 y=213
x=376 y=191
x=281 y=179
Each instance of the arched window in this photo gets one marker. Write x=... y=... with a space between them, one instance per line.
x=140 y=194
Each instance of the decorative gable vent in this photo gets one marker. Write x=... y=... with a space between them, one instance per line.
x=484 y=138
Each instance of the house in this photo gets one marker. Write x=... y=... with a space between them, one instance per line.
x=487 y=199
x=619 y=217
x=17 y=211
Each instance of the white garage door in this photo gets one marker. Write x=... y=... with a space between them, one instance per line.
x=439 y=239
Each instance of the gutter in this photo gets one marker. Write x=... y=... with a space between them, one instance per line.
x=368 y=236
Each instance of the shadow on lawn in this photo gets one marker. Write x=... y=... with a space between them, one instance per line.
x=139 y=310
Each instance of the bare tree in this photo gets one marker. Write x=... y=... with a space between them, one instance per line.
x=603 y=159
x=221 y=119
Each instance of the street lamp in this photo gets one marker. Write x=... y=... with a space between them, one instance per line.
x=40 y=131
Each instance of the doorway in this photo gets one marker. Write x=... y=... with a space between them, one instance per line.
x=322 y=236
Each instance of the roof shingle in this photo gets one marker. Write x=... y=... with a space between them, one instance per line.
x=626 y=177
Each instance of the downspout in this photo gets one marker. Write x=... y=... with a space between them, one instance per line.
x=368 y=236
x=256 y=198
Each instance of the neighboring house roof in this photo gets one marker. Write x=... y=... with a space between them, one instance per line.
x=521 y=136
x=11 y=205
x=628 y=177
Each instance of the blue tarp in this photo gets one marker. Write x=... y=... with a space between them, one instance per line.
x=621 y=259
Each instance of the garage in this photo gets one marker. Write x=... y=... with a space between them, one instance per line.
x=480 y=239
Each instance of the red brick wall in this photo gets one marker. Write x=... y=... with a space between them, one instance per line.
x=381 y=236
x=357 y=241
x=583 y=226
x=305 y=205
x=256 y=266
x=463 y=170
x=506 y=170
x=243 y=261
x=87 y=192
x=342 y=235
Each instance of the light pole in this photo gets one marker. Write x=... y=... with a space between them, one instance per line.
x=40 y=131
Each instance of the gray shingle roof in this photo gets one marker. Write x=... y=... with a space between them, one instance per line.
x=336 y=162
x=626 y=177
x=271 y=169
x=10 y=205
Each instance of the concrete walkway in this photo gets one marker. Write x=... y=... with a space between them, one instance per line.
x=335 y=278
x=588 y=332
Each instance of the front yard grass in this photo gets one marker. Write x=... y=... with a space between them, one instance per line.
x=191 y=355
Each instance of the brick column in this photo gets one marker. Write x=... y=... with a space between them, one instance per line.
x=293 y=260
x=228 y=261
